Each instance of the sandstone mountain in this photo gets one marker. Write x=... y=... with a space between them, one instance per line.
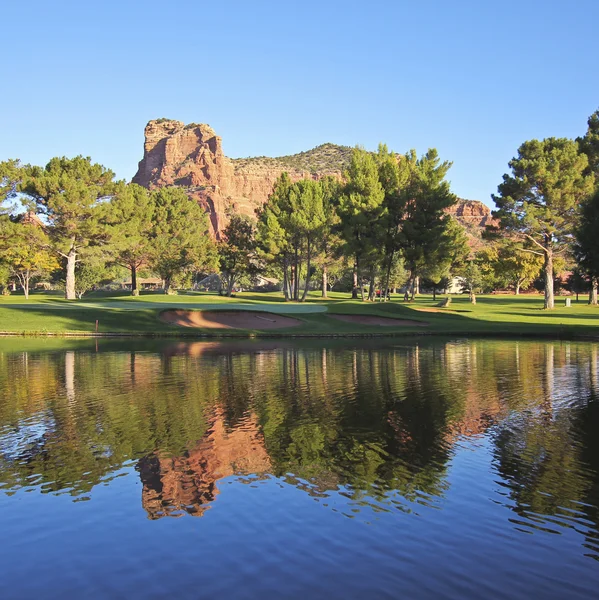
x=191 y=156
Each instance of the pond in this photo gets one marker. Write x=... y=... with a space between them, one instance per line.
x=429 y=469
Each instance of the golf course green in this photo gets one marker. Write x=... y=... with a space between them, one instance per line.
x=492 y=315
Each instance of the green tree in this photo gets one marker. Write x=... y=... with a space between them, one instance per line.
x=589 y=143
x=540 y=198
x=129 y=216
x=90 y=274
x=424 y=232
x=515 y=265
x=395 y=174
x=290 y=224
x=68 y=192
x=586 y=248
x=273 y=239
x=449 y=255
x=360 y=209
x=329 y=241
x=237 y=251
x=27 y=255
x=305 y=221
x=180 y=236
x=472 y=278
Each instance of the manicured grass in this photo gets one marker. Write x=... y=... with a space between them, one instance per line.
x=116 y=313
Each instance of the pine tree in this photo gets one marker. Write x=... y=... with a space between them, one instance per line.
x=539 y=200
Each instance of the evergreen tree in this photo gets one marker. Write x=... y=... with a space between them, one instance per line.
x=237 y=251
x=540 y=198
x=180 y=236
x=130 y=219
x=589 y=143
x=68 y=194
x=360 y=209
x=425 y=223
x=273 y=239
x=586 y=248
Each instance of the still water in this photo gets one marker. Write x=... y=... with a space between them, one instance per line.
x=352 y=470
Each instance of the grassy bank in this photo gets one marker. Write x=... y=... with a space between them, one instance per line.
x=119 y=314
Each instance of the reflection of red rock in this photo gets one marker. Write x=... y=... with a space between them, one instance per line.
x=188 y=482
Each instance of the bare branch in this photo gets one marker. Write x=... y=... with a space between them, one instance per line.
x=530 y=238
x=531 y=251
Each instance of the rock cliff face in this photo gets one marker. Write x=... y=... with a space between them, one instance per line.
x=191 y=156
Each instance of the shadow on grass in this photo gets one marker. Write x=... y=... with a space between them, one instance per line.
x=145 y=321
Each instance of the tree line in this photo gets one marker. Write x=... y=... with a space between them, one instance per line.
x=384 y=224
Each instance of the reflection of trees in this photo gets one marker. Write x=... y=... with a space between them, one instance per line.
x=369 y=419
x=549 y=454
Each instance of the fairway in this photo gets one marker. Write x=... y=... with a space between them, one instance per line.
x=337 y=316
x=135 y=305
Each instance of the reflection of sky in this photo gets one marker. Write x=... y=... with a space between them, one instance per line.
x=268 y=538
x=28 y=433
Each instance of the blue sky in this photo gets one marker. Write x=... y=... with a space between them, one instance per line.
x=472 y=78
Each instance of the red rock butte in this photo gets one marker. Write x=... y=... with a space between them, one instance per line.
x=191 y=157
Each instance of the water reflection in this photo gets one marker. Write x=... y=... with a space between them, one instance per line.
x=380 y=424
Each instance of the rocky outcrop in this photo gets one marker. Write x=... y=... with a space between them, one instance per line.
x=191 y=156
x=472 y=212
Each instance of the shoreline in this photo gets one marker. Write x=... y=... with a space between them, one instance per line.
x=565 y=336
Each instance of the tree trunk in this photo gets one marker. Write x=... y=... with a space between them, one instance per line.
x=388 y=275
x=290 y=284
x=409 y=287
x=371 y=286
x=285 y=281
x=70 y=282
x=416 y=287
x=230 y=285
x=134 y=288
x=548 y=271
x=167 y=285
x=325 y=282
x=434 y=292
x=472 y=297
x=296 y=278
x=308 y=258
x=593 y=292
x=414 y=281
x=361 y=284
x=517 y=288
x=24 y=283
x=354 y=292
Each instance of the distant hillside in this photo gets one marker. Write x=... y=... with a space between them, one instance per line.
x=326 y=158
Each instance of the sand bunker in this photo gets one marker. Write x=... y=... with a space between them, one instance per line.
x=227 y=319
x=372 y=320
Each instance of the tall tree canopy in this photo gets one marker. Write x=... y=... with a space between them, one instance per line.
x=130 y=219
x=237 y=251
x=540 y=199
x=180 y=239
x=589 y=143
x=361 y=208
x=424 y=230
x=68 y=192
x=587 y=242
x=290 y=226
